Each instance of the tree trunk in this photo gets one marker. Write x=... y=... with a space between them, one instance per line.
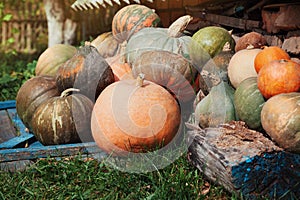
x=61 y=29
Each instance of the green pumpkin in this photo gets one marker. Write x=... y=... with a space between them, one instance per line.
x=169 y=39
x=217 y=107
x=248 y=103
x=212 y=39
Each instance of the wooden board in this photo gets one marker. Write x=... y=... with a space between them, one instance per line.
x=245 y=162
x=21 y=148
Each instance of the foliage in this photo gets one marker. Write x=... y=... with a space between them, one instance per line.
x=15 y=69
x=75 y=178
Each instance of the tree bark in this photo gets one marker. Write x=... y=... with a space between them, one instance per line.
x=61 y=29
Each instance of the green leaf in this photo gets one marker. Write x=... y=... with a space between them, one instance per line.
x=7 y=17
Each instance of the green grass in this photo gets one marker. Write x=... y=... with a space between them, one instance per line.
x=15 y=69
x=77 y=178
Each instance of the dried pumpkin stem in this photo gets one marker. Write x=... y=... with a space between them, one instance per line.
x=176 y=28
x=140 y=79
x=67 y=91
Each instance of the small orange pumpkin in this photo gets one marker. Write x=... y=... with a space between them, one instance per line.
x=130 y=117
x=268 y=54
x=279 y=76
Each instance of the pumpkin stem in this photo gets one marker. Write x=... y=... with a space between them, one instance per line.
x=67 y=91
x=140 y=79
x=176 y=28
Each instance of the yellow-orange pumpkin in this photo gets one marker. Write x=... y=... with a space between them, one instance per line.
x=268 y=54
x=134 y=118
x=279 y=76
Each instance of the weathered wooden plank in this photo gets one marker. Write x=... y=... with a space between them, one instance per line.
x=245 y=162
x=7 y=104
x=7 y=130
x=7 y=155
x=14 y=166
x=23 y=137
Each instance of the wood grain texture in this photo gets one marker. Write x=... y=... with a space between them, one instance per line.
x=245 y=162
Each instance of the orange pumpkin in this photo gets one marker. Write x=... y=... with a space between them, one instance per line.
x=134 y=118
x=268 y=54
x=279 y=76
x=121 y=69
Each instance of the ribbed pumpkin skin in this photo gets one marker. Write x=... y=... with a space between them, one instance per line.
x=31 y=94
x=87 y=71
x=156 y=39
x=52 y=58
x=279 y=76
x=106 y=44
x=280 y=118
x=269 y=54
x=129 y=118
x=62 y=120
x=168 y=70
x=132 y=18
x=248 y=102
x=217 y=107
x=212 y=39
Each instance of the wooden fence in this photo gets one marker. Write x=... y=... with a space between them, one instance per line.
x=27 y=30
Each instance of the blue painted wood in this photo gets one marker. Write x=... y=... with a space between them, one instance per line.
x=23 y=135
x=30 y=153
x=279 y=172
x=7 y=104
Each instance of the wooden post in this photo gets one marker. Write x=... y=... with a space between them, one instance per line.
x=245 y=162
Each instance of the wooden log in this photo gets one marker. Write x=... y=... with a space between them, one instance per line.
x=245 y=162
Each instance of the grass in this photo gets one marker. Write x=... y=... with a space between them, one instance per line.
x=78 y=178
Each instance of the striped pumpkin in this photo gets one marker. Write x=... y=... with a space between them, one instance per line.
x=130 y=19
x=63 y=119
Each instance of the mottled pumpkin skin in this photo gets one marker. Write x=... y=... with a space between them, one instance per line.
x=87 y=71
x=156 y=39
x=52 y=58
x=130 y=118
x=31 y=94
x=169 y=70
x=269 y=54
x=280 y=118
x=132 y=18
x=279 y=76
x=62 y=120
x=212 y=40
x=217 y=107
x=248 y=102
x=106 y=44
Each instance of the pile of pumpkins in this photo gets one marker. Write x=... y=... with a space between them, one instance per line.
x=127 y=89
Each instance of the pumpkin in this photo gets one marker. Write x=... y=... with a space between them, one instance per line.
x=212 y=40
x=106 y=45
x=279 y=76
x=87 y=71
x=241 y=66
x=52 y=58
x=217 y=107
x=169 y=39
x=31 y=94
x=215 y=70
x=267 y=55
x=132 y=18
x=134 y=116
x=251 y=39
x=280 y=118
x=169 y=70
x=121 y=69
x=248 y=102
x=63 y=119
